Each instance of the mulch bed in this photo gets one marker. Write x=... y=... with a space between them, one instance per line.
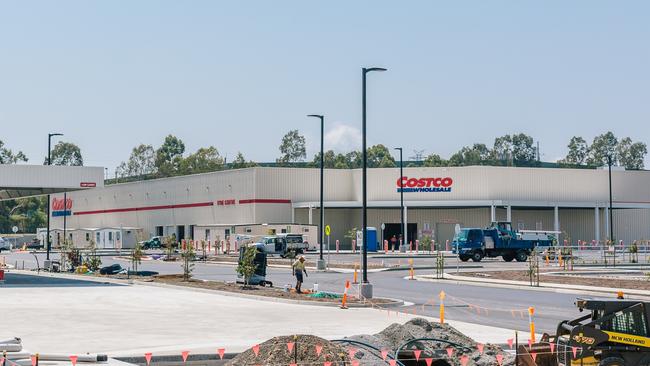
x=571 y=278
x=253 y=290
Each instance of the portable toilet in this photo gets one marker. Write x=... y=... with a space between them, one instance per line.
x=372 y=239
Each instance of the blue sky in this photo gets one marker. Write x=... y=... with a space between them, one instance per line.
x=239 y=74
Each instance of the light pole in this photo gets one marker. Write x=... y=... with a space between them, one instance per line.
x=321 y=262
x=611 y=211
x=366 y=287
x=401 y=194
x=49 y=162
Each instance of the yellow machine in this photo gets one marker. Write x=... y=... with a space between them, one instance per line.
x=614 y=333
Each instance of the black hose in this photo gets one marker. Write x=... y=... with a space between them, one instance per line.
x=369 y=346
x=456 y=345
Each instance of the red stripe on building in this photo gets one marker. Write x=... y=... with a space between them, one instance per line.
x=263 y=200
x=147 y=208
x=183 y=205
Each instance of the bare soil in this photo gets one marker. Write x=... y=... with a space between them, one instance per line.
x=276 y=292
x=571 y=278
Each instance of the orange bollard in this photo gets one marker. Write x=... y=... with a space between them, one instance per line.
x=345 y=295
x=411 y=270
x=417 y=246
x=354 y=277
x=411 y=246
x=209 y=248
x=531 y=311
x=442 y=307
x=385 y=246
x=183 y=243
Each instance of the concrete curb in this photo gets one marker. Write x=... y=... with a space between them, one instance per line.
x=138 y=282
x=521 y=285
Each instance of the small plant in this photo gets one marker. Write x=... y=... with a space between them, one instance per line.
x=169 y=242
x=352 y=235
x=188 y=255
x=204 y=249
x=246 y=267
x=136 y=256
x=426 y=243
x=93 y=261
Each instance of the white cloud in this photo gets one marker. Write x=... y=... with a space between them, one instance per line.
x=343 y=138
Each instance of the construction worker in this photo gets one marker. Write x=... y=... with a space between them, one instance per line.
x=298 y=269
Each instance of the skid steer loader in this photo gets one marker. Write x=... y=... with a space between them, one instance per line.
x=614 y=333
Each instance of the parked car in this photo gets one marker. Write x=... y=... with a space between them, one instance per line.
x=4 y=245
x=154 y=243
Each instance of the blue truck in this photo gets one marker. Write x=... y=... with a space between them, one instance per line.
x=499 y=240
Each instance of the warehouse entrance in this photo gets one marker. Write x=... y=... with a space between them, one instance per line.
x=394 y=229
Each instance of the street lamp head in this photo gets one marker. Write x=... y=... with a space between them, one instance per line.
x=316 y=115
x=54 y=134
x=369 y=69
x=398 y=148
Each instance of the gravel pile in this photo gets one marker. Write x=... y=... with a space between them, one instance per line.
x=397 y=334
x=276 y=352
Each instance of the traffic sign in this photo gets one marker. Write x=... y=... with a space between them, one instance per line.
x=14 y=229
x=383 y=226
x=327 y=230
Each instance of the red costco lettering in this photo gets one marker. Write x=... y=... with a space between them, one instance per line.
x=424 y=182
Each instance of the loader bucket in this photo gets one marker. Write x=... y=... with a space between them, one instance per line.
x=538 y=354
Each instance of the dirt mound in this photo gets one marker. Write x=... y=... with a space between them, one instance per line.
x=303 y=351
x=396 y=335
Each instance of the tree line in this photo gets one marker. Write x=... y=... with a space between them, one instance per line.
x=507 y=150
x=170 y=159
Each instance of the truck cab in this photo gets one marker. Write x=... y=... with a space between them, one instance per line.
x=467 y=242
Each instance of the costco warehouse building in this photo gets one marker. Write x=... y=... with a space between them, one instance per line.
x=213 y=205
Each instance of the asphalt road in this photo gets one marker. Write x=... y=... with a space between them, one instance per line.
x=499 y=307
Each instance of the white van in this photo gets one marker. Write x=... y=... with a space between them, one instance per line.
x=4 y=245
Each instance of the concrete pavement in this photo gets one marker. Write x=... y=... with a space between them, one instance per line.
x=134 y=319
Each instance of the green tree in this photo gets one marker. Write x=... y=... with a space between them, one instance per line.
x=293 y=148
x=578 y=150
x=7 y=156
x=169 y=156
x=240 y=162
x=478 y=154
x=631 y=154
x=202 y=161
x=246 y=267
x=354 y=159
x=142 y=161
x=602 y=147
x=523 y=151
x=330 y=159
x=379 y=157
x=66 y=153
x=502 y=150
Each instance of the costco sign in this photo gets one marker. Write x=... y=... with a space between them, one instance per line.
x=61 y=207
x=438 y=184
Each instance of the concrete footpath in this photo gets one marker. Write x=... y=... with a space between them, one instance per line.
x=544 y=286
x=124 y=320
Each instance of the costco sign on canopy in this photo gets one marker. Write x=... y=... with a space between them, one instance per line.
x=61 y=207
x=406 y=184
